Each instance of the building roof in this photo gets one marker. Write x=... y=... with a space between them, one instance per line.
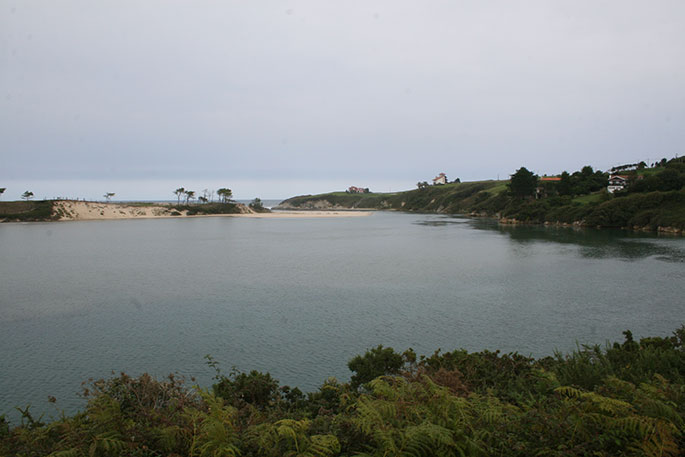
x=550 y=178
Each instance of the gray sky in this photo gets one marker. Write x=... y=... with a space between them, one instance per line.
x=278 y=98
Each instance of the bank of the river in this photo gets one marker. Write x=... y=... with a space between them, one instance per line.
x=662 y=212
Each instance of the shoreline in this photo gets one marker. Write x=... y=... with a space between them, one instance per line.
x=72 y=210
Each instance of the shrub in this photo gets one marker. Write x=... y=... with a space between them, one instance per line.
x=375 y=362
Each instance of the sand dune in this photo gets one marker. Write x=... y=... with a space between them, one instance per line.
x=70 y=210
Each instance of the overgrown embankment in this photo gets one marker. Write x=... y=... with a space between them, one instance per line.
x=626 y=399
x=653 y=211
x=27 y=211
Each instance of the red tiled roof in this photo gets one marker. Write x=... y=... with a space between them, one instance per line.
x=550 y=178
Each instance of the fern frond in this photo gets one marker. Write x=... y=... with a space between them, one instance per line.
x=660 y=410
x=68 y=453
x=569 y=391
x=109 y=443
x=635 y=425
x=212 y=449
x=428 y=436
x=661 y=441
x=324 y=446
x=608 y=405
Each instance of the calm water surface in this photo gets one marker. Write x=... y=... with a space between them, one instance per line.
x=300 y=297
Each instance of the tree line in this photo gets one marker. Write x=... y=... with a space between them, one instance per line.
x=225 y=195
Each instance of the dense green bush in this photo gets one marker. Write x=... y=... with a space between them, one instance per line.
x=376 y=362
x=27 y=211
x=652 y=209
x=209 y=208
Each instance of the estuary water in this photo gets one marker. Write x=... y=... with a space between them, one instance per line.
x=300 y=297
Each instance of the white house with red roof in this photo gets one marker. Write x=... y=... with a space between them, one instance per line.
x=440 y=179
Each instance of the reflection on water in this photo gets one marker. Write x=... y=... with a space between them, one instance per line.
x=441 y=222
x=594 y=243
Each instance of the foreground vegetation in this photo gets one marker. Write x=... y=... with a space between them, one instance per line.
x=627 y=399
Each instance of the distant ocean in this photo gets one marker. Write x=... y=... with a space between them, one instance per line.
x=267 y=203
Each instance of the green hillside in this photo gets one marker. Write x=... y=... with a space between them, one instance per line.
x=654 y=198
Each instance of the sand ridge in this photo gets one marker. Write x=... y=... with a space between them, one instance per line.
x=72 y=210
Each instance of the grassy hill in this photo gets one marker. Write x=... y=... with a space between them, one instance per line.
x=655 y=200
x=452 y=197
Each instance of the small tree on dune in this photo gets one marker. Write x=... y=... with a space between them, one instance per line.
x=190 y=194
x=108 y=196
x=225 y=194
x=28 y=195
x=257 y=204
x=180 y=191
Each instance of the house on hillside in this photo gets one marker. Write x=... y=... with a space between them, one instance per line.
x=440 y=179
x=544 y=185
x=357 y=190
x=617 y=182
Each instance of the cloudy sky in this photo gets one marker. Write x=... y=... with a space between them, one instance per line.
x=278 y=98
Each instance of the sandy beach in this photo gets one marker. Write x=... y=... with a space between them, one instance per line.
x=304 y=214
x=69 y=210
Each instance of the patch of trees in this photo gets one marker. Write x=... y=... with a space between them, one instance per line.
x=585 y=181
x=645 y=210
x=672 y=177
x=523 y=183
x=630 y=166
x=187 y=196
x=225 y=194
x=623 y=399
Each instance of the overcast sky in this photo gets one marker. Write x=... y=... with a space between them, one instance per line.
x=278 y=98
